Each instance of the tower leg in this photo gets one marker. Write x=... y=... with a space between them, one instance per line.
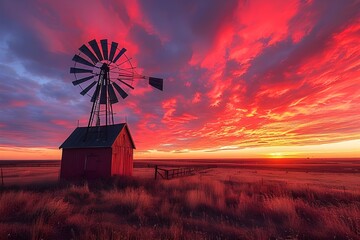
x=91 y=118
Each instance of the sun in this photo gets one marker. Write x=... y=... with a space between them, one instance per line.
x=276 y=155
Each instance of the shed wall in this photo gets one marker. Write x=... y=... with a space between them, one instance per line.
x=87 y=163
x=122 y=155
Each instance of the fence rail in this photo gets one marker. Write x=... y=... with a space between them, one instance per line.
x=176 y=172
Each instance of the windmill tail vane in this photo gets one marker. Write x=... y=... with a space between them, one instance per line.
x=104 y=72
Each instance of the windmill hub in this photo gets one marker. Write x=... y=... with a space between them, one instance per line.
x=105 y=68
x=111 y=75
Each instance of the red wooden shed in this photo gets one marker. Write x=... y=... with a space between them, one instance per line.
x=97 y=152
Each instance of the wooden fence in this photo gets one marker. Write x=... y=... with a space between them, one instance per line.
x=169 y=173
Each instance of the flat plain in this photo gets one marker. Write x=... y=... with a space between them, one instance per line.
x=225 y=199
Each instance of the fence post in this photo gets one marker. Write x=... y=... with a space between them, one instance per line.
x=155 y=171
x=2 y=178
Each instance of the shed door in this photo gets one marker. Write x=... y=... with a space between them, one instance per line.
x=91 y=166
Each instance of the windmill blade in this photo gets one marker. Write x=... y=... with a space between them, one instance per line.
x=126 y=83
x=112 y=95
x=156 y=82
x=104 y=46
x=77 y=82
x=122 y=51
x=80 y=70
x=95 y=94
x=81 y=60
x=122 y=93
x=113 y=50
x=83 y=92
x=103 y=96
x=93 y=44
x=84 y=49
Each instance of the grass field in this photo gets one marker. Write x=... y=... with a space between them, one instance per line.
x=219 y=203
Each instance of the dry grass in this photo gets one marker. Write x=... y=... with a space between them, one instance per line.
x=188 y=208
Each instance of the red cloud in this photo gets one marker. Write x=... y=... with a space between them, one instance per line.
x=240 y=74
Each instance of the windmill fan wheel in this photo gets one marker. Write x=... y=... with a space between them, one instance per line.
x=106 y=71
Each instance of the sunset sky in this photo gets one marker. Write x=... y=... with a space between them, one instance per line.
x=242 y=78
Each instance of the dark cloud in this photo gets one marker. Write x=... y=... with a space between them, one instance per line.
x=24 y=44
x=155 y=56
x=228 y=80
x=35 y=114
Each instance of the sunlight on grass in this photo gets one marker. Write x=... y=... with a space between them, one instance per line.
x=180 y=209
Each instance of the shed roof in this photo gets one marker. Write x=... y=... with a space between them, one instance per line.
x=96 y=137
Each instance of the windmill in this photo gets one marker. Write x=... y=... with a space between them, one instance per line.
x=104 y=72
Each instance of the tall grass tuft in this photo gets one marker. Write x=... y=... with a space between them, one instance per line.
x=185 y=208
